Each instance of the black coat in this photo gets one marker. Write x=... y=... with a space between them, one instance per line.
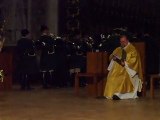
x=27 y=58
x=47 y=59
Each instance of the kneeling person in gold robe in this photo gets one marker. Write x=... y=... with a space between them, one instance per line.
x=124 y=79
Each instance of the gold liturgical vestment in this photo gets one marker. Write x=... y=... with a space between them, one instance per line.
x=118 y=79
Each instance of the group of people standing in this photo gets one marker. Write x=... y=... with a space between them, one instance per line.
x=45 y=56
x=124 y=79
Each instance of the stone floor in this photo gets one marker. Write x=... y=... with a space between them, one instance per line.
x=61 y=104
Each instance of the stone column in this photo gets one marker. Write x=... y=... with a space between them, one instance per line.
x=52 y=16
x=29 y=11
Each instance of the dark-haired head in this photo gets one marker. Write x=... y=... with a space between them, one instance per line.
x=24 y=32
x=44 y=28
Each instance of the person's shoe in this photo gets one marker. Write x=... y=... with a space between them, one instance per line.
x=139 y=94
x=101 y=97
x=115 y=97
x=29 y=88
x=22 y=88
x=55 y=87
x=46 y=87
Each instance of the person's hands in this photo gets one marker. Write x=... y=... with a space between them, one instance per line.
x=122 y=63
x=114 y=57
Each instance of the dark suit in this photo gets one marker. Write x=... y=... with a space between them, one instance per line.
x=47 y=59
x=27 y=60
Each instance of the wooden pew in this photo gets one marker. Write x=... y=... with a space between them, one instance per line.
x=97 y=63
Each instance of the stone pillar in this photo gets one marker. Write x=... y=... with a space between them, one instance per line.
x=52 y=16
x=10 y=22
x=29 y=11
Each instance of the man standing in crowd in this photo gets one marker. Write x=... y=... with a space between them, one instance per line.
x=47 y=58
x=27 y=59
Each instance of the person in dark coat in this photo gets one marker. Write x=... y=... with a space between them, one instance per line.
x=47 y=58
x=62 y=68
x=27 y=59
